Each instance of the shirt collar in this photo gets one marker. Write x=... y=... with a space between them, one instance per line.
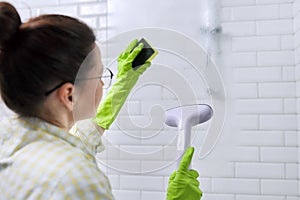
x=38 y=124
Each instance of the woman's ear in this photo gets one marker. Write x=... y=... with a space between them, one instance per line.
x=65 y=94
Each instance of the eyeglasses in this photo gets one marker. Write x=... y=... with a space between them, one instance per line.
x=106 y=78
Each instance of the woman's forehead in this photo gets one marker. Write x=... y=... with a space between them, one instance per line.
x=91 y=64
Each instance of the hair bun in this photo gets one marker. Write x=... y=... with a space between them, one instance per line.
x=9 y=22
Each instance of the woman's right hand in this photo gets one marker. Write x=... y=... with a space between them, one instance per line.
x=183 y=183
x=126 y=79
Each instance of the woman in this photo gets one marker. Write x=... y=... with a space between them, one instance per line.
x=51 y=76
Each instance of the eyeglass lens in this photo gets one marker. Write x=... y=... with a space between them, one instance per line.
x=106 y=78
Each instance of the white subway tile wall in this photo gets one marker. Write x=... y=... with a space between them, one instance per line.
x=296 y=13
x=264 y=58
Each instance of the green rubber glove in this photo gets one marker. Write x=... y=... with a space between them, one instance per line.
x=183 y=183
x=126 y=79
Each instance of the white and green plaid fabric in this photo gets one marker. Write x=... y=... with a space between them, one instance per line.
x=41 y=161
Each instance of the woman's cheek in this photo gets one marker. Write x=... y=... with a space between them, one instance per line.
x=98 y=96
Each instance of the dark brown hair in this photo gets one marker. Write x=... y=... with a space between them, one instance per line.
x=38 y=54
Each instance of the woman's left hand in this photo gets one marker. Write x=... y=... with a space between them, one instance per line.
x=183 y=183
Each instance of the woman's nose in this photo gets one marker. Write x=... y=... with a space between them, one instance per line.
x=101 y=81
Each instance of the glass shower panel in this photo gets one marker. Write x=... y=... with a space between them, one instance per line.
x=184 y=72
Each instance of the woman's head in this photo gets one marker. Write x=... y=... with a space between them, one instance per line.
x=38 y=55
